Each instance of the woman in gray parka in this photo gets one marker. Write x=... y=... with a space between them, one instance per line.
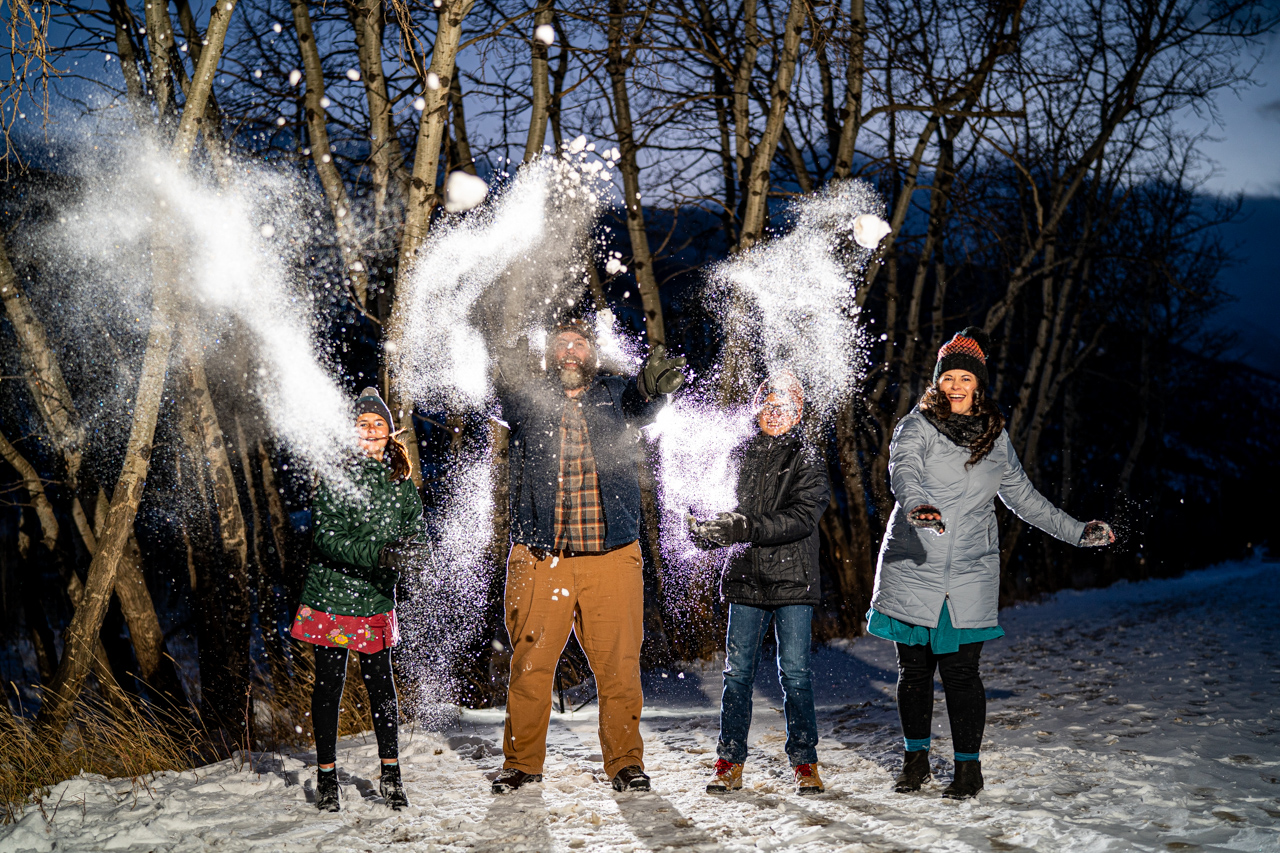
x=938 y=575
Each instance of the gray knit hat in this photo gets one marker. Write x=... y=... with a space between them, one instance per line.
x=371 y=401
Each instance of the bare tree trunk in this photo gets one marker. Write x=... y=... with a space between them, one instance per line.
x=540 y=104
x=80 y=640
x=322 y=155
x=53 y=401
x=125 y=26
x=756 y=191
x=368 y=17
x=201 y=90
x=458 y=119
x=44 y=375
x=81 y=635
x=853 y=90
x=618 y=63
x=423 y=195
x=160 y=43
x=233 y=577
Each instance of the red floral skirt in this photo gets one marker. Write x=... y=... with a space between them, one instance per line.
x=366 y=634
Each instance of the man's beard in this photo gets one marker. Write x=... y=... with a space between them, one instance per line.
x=573 y=376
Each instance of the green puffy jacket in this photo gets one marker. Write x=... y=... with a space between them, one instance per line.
x=348 y=531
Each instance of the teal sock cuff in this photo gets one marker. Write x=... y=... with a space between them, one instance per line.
x=333 y=769
x=917 y=744
x=967 y=756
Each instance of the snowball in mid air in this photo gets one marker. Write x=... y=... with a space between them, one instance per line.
x=869 y=230
x=546 y=34
x=463 y=191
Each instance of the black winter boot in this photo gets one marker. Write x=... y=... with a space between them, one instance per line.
x=966 y=782
x=391 y=788
x=631 y=778
x=327 y=790
x=915 y=771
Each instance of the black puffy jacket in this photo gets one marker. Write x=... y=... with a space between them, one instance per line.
x=783 y=491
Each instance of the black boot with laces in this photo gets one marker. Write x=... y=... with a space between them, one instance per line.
x=327 y=790
x=391 y=788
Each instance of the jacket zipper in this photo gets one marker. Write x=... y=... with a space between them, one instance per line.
x=951 y=546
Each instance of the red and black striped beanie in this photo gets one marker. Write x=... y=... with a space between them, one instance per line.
x=966 y=351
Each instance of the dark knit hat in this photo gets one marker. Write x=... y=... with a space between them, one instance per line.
x=371 y=401
x=966 y=351
x=579 y=327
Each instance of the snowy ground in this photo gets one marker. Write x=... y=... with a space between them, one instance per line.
x=1141 y=717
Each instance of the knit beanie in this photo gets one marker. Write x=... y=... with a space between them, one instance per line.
x=371 y=401
x=578 y=327
x=966 y=351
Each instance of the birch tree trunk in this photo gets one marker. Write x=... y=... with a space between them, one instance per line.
x=619 y=60
x=57 y=410
x=335 y=190
x=540 y=82
x=843 y=166
x=368 y=18
x=81 y=635
x=756 y=190
x=423 y=195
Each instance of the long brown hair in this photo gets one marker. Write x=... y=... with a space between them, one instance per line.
x=935 y=402
x=398 y=457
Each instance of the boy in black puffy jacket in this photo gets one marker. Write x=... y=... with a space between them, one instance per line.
x=782 y=493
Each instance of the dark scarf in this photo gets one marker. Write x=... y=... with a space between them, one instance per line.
x=963 y=430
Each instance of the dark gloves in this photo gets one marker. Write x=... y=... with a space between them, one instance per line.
x=396 y=556
x=927 y=516
x=661 y=375
x=512 y=363
x=402 y=553
x=1097 y=534
x=726 y=528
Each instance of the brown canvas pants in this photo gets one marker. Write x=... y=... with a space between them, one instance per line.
x=601 y=598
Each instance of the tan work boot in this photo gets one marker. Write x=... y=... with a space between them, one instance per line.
x=728 y=778
x=807 y=779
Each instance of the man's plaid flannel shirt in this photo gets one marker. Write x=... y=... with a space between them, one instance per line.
x=579 y=513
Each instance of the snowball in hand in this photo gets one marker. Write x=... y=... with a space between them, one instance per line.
x=463 y=191
x=869 y=230
x=546 y=34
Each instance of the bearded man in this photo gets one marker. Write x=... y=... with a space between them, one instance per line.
x=575 y=559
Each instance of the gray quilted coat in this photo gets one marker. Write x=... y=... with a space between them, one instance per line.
x=918 y=569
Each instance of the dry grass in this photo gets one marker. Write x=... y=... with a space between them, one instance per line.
x=114 y=742
x=129 y=741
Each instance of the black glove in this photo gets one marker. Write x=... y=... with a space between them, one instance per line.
x=512 y=363
x=915 y=518
x=661 y=375
x=403 y=553
x=1097 y=534
x=725 y=529
x=697 y=534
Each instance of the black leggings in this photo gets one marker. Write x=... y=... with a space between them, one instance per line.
x=966 y=697
x=326 y=696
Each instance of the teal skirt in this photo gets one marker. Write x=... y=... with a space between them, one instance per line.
x=943 y=640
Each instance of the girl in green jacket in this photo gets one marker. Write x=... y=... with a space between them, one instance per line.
x=362 y=537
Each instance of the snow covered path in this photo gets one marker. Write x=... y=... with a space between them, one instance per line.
x=1141 y=717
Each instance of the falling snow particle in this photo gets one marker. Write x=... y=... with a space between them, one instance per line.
x=546 y=34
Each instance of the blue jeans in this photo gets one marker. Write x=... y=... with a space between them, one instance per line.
x=791 y=625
